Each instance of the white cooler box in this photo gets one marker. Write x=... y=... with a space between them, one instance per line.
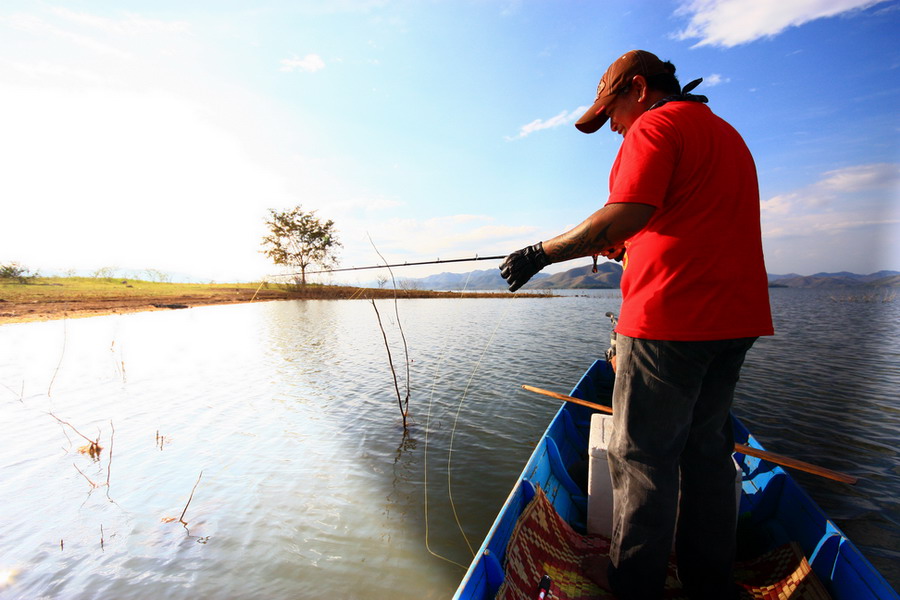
x=599 y=518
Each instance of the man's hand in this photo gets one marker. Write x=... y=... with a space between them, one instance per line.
x=616 y=253
x=521 y=265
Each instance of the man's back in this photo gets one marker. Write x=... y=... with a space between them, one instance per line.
x=696 y=271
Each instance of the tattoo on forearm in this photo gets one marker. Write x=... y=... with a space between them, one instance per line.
x=581 y=242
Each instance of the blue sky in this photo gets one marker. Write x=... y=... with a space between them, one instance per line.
x=155 y=135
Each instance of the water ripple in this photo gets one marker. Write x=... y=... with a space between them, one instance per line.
x=289 y=411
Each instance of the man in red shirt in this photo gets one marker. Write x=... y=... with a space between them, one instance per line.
x=683 y=215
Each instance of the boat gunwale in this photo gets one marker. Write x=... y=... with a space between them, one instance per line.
x=843 y=552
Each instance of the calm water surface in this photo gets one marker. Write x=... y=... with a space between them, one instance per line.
x=309 y=487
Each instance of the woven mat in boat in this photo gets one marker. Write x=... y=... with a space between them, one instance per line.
x=543 y=543
x=780 y=574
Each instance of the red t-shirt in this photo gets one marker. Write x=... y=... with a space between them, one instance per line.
x=696 y=271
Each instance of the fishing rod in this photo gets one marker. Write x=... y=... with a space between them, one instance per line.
x=405 y=264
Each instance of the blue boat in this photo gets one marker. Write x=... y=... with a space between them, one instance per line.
x=772 y=506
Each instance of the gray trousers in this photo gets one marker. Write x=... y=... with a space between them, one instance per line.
x=672 y=431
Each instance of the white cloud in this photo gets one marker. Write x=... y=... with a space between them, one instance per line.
x=778 y=205
x=563 y=118
x=89 y=185
x=361 y=215
x=733 y=22
x=122 y=148
x=846 y=192
x=401 y=240
x=849 y=217
x=365 y=203
x=411 y=239
x=57 y=46
x=128 y=25
x=309 y=63
x=103 y=37
x=865 y=177
x=44 y=69
x=714 y=80
x=38 y=27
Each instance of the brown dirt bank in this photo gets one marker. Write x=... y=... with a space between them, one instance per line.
x=22 y=303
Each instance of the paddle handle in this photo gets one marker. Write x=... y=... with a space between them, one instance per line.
x=787 y=461
x=778 y=459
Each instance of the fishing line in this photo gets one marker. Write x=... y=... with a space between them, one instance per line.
x=431 y=398
x=261 y=283
x=359 y=292
x=456 y=420
x=453 y=434
x=437 y=369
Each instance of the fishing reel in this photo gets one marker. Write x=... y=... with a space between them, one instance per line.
x=611 y=351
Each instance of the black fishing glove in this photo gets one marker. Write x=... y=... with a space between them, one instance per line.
x=521 y=265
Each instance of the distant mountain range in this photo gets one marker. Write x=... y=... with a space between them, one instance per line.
x=842 y=279
x=609 y=274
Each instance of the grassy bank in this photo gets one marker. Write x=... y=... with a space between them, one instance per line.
x=73 y=288
x=47 y=298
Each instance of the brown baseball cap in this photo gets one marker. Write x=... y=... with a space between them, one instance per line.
x=617 y=77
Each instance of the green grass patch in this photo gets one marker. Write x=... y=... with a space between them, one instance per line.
x=61 y=288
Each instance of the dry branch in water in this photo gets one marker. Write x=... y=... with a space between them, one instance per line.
x=120 y=364
x=61 y=356
x=191 y=497
x=93 y=485
x=403 y=413
x=93 y=447
x=403 y=403
x=21 y=395
x=109 y=464
x=161 y=440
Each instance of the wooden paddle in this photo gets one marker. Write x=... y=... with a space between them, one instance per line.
x=778 y=459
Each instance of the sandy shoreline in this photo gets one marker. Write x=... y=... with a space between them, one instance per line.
x=47 y=307
x=70 y=308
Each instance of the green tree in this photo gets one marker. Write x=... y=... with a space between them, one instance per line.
x=14 y=270
x=297 y=239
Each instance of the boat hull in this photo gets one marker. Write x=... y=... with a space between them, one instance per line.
x=772 y=505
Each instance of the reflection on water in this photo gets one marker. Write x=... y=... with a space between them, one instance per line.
x=824 y=389
x=310 y=487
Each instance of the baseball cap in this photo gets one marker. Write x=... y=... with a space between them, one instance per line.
x=617 y=77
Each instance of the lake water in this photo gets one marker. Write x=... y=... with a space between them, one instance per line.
x=309 y=487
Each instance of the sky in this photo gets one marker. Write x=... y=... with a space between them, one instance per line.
x=157 y=135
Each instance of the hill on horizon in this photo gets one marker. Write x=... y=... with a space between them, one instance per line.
x=609 y=276
x=841 y=279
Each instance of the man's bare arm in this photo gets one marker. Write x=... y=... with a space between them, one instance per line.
x=601 y=233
